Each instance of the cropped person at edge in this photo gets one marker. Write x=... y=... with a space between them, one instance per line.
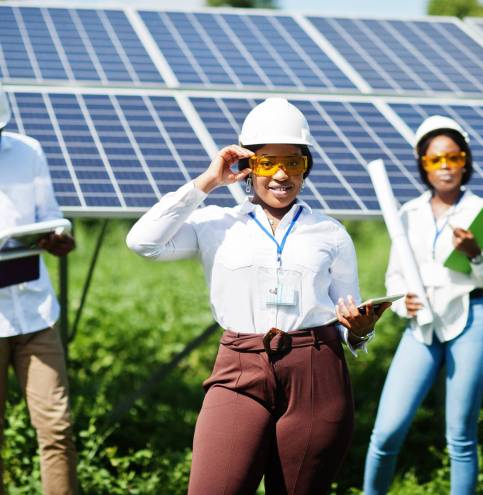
x=29 y=339
x=455 y=339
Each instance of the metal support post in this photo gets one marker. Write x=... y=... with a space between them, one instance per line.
x=87 y=283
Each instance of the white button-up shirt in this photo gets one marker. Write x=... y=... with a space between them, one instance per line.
x=239 y=259
x=447 y=290
x=26 y=196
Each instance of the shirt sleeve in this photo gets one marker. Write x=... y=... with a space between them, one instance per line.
x=343 y=271
x=345 y=281
x=166 y=231
x=46 y=207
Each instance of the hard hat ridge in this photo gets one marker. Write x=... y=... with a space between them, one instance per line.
x=275 y=121
x=438 y=123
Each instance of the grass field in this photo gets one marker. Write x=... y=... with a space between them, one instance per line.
x=138 y=315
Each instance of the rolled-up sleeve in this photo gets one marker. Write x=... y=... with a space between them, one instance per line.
x=166 y=231
x=343 y=271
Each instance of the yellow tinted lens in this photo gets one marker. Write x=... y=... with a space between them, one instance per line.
x=266 y=165
x=295 y=165
x=456 y=159
x=263 y=165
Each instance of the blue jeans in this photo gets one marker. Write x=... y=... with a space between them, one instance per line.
x=411 y=375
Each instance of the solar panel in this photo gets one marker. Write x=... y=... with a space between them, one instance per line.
x=112 y=151
x=120 y=153
x=408 y=56
x=242 y=51
x=53 y=44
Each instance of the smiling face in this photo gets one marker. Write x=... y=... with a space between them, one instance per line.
x=445 y=179
x=280 y=190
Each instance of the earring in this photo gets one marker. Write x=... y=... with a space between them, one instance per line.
x=302 y=187
x=248 y=186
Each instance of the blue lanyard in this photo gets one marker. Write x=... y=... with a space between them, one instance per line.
x=440 y=231
x=282 y=245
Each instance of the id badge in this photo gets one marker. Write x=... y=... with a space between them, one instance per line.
x=279 y=287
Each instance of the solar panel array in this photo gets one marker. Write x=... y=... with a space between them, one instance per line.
x=52 y=44
x=407 y=56
x=129 y=105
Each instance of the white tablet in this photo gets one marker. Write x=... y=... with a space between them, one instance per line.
x=375 y=301
x=20 y=241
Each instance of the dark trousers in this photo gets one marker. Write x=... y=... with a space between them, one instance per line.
x=287 y=416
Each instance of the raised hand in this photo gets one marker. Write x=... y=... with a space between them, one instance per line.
x=220 y=172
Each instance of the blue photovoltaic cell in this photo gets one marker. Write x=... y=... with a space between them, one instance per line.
x=403 y=56
x=243 y=51
x=348 y=136
x=469 y=116
x=113 y=151
x=51 y=44
x=31 y=116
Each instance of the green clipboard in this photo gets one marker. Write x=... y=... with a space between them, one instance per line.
x=457 y=261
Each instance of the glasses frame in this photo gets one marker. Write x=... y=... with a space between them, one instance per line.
x=279 y=164
x=443 y=158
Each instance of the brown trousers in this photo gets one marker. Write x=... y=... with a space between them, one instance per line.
x=287 y=416
x=38 y=361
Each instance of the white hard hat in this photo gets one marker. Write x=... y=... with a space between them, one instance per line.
x=438 y=123
x=275 y=121
x=5 y=113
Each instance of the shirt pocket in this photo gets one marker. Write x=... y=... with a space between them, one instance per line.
x=233 y=256
x=315 y=259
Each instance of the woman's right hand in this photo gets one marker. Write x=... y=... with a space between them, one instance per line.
x=413 y=304
x=219 y=173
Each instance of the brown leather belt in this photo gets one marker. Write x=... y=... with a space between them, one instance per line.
x=276 y=341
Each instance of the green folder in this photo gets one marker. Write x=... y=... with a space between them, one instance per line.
x=457 y=260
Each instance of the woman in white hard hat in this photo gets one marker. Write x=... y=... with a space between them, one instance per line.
x=278 y=403
x=434 y=224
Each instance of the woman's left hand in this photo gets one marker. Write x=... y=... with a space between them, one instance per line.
x=359 y=324
x=465 y=242
x=57 y=244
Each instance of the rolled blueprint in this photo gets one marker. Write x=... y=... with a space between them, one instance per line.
x=399 y=238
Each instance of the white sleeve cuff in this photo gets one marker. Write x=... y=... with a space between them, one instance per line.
x=344 y=333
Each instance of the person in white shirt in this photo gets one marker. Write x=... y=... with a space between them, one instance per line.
x=28 y=310
x=278 y=403
x=434 y=224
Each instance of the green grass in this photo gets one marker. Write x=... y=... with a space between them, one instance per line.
x=138 y=315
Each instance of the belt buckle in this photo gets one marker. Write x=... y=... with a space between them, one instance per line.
x=267 y=338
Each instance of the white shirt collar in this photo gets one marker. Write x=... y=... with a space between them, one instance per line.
x=247 y=206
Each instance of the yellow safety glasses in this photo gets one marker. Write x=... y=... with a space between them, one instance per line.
x=454 y=160
x=268 y=165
